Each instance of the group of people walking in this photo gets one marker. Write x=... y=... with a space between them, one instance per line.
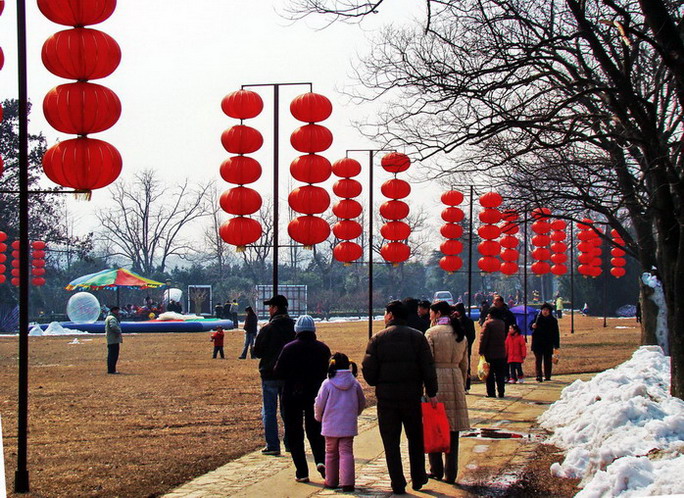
x=320 y=399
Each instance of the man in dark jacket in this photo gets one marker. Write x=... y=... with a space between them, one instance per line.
x=268 y=345
x=399 y=363
x=303 y=365
x=493 y=348
x=545 y=337
x=413 y=320
x=424 y=315
x=506 y=315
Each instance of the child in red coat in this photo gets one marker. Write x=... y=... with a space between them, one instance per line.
x=516 y=351
x=217 y=339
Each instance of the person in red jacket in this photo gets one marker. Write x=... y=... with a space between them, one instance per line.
x=516 y=351
x=217 y=339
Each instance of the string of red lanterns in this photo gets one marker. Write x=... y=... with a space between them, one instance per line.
x=452 y=231
x=617 y=261
x=81 y=108
x=558 y=247
x=394 y=211
x=311 y=168
x=541 y=241
x=588 y=249
x=488 y=231
x=346 y=229
x=37 y=263
x=241 y=170
x=509 y=242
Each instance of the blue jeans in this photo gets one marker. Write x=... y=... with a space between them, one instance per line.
x=271 y=391
x=249 y=344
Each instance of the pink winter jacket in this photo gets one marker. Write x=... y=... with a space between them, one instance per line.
x=338 y=405
x=516 y=348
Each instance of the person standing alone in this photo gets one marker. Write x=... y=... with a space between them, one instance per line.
x=268 y=345
x=399 y=363
x=114 y=338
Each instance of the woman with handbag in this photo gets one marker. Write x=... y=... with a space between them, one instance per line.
x=450 y=350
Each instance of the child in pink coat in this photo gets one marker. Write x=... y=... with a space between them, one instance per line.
x=516 y=351
x=338 y=405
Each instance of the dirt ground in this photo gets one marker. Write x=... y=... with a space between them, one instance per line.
x=174 y=413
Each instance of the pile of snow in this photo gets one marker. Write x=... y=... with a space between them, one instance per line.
x=622 y=431
x=54 y=329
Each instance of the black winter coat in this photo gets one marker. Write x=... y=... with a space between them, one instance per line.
x=546 y=336
x=303 y=364
x=270 y=341
x=399 y=363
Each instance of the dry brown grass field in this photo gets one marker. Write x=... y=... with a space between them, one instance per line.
x=174 y=413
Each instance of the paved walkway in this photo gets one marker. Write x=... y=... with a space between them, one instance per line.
x=487 y=465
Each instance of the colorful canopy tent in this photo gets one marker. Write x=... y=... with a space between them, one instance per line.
x=113 y=278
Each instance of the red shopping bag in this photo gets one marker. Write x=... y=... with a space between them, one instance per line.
x=436 y=437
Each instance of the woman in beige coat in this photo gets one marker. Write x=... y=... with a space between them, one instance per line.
x=450 y=350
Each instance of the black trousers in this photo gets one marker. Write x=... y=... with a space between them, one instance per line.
x=544 y=357
x=447 y=467
x=298 y=415
x=112 y=357
x=498 y=369
x=218 y=350
x=391 y=416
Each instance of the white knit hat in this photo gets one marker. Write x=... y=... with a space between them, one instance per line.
x=303 y=323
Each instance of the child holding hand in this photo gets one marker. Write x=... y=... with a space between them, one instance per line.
x=338 y=405
x=516 y=351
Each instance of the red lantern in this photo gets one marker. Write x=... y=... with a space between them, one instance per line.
x=618 y=262
x=585 y=246
x=15 y=254
x=3 y=258
x=16 y=244
x=618 y=272
x=37 y=272
x=450 y=263
x=586 y=235
x=240 y=231
x=395 y=188
x=309 y=199
x=242 y=104
x=617 y=252
x=37 y=244
x=541 y=227
x=584 y=270
x=510 y=255
x=395 y=252
x=489 y=232
x=346 y=167
x=558 y=225
x=311 y=138
x=81 y=54
x=451 y=231
x=540 y=267
x=557 y=236
x=559 y=247
x=585 y=258
x=541 y=254
x=347 y=187
x=489 y=264
x=241 y=139
x=38 y=263
x=489 y=248
x=395 y=162
x=395 y=230
x=308 y=230
x=15 y=281
x=310 y=168
x=347 y=229
x=311 y=107
x=508 y=268
x=81 y=108
x=240 y=170
x=559 y=269
x=15 y=272
x=541 y=240
x=559 y=258
x=82 y=163
x=240 y=201
x=452 y=198
x=3 y=235
x=394 y=210
x=451 y=247
x=346 y=252
x=490 y=200
x=490 y=216
x=3 y=268
x=2 y=279
x=540 y=214
x=38 y=254
x=77 y=12
x=509 y=242
x=38 y=281
x=510 y=228
x=347 y=209
x=452 y=215
x=509 y=215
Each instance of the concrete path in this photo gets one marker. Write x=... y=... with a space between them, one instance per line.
x=487 y=465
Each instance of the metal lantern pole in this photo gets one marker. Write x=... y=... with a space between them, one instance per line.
x=276 y=177
x=470 y=251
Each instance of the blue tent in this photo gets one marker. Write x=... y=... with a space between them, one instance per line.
x=524 y=320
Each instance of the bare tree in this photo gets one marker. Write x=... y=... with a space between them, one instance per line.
x=146 y=218
x=576 y=104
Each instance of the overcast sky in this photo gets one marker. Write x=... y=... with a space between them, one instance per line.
x=179 y=59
